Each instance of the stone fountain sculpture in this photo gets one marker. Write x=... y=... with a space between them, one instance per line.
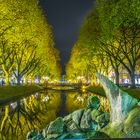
x=120 y=103
x=124 y=111
x=123 y=121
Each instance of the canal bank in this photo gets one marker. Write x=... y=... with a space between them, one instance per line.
x=12 y=93
x=134 y=92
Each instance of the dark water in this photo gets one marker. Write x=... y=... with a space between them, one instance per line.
x=63 y=111
x=36 y=111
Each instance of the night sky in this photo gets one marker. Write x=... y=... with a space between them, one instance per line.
x=66 y=17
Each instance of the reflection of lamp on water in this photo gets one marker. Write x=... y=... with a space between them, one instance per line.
x=79 y=98
x=36 y=95
x=46 y=98
x=13 y=105
x=83 y=88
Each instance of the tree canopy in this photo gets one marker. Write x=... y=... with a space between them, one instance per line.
x=26 y=41
x=111 y=34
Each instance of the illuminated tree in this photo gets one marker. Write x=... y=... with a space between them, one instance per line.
x=109 y=37
x=7 y=59
x=26 y=40
x=120 y=20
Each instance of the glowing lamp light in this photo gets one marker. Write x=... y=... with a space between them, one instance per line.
x=36 y=80
x=45 y=78
x=79 y=98
x=46 y=98
x=79 y=78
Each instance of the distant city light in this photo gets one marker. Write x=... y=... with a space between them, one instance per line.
x=46 y=98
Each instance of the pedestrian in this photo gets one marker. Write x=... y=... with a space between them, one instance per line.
x=2 y=82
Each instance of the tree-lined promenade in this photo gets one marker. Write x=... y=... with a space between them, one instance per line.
x=32 y=91
x=108 y=42
x=26 y=43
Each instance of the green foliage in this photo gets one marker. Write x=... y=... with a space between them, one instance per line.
x=25 y=31
x=90 y=30
x=108 y=40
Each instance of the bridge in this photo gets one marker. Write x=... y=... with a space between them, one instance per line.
x=64 y=86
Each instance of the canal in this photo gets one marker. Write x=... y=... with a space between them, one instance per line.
x=36 y=111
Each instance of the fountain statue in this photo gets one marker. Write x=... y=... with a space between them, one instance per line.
x=120 y=103
x=124 y=111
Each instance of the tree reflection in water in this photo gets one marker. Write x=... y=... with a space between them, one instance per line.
x=36 y=111
x=78 y=100
x=31 y=113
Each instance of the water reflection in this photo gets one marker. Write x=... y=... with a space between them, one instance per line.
x=78 y=100
x=36 y=111
x=30 y=113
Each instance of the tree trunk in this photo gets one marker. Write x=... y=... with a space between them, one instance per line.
x=32 y=80
x=7 y=78
x=117 y=76
x=25 y=80
x=18 y=80
x=132 y=78
x=131 y=72
x=7 y=75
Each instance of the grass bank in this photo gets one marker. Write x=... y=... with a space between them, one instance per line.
x=11 y=92
x=99 y=90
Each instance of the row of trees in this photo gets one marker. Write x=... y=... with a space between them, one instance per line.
x=26 y=41
x=110 y=40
